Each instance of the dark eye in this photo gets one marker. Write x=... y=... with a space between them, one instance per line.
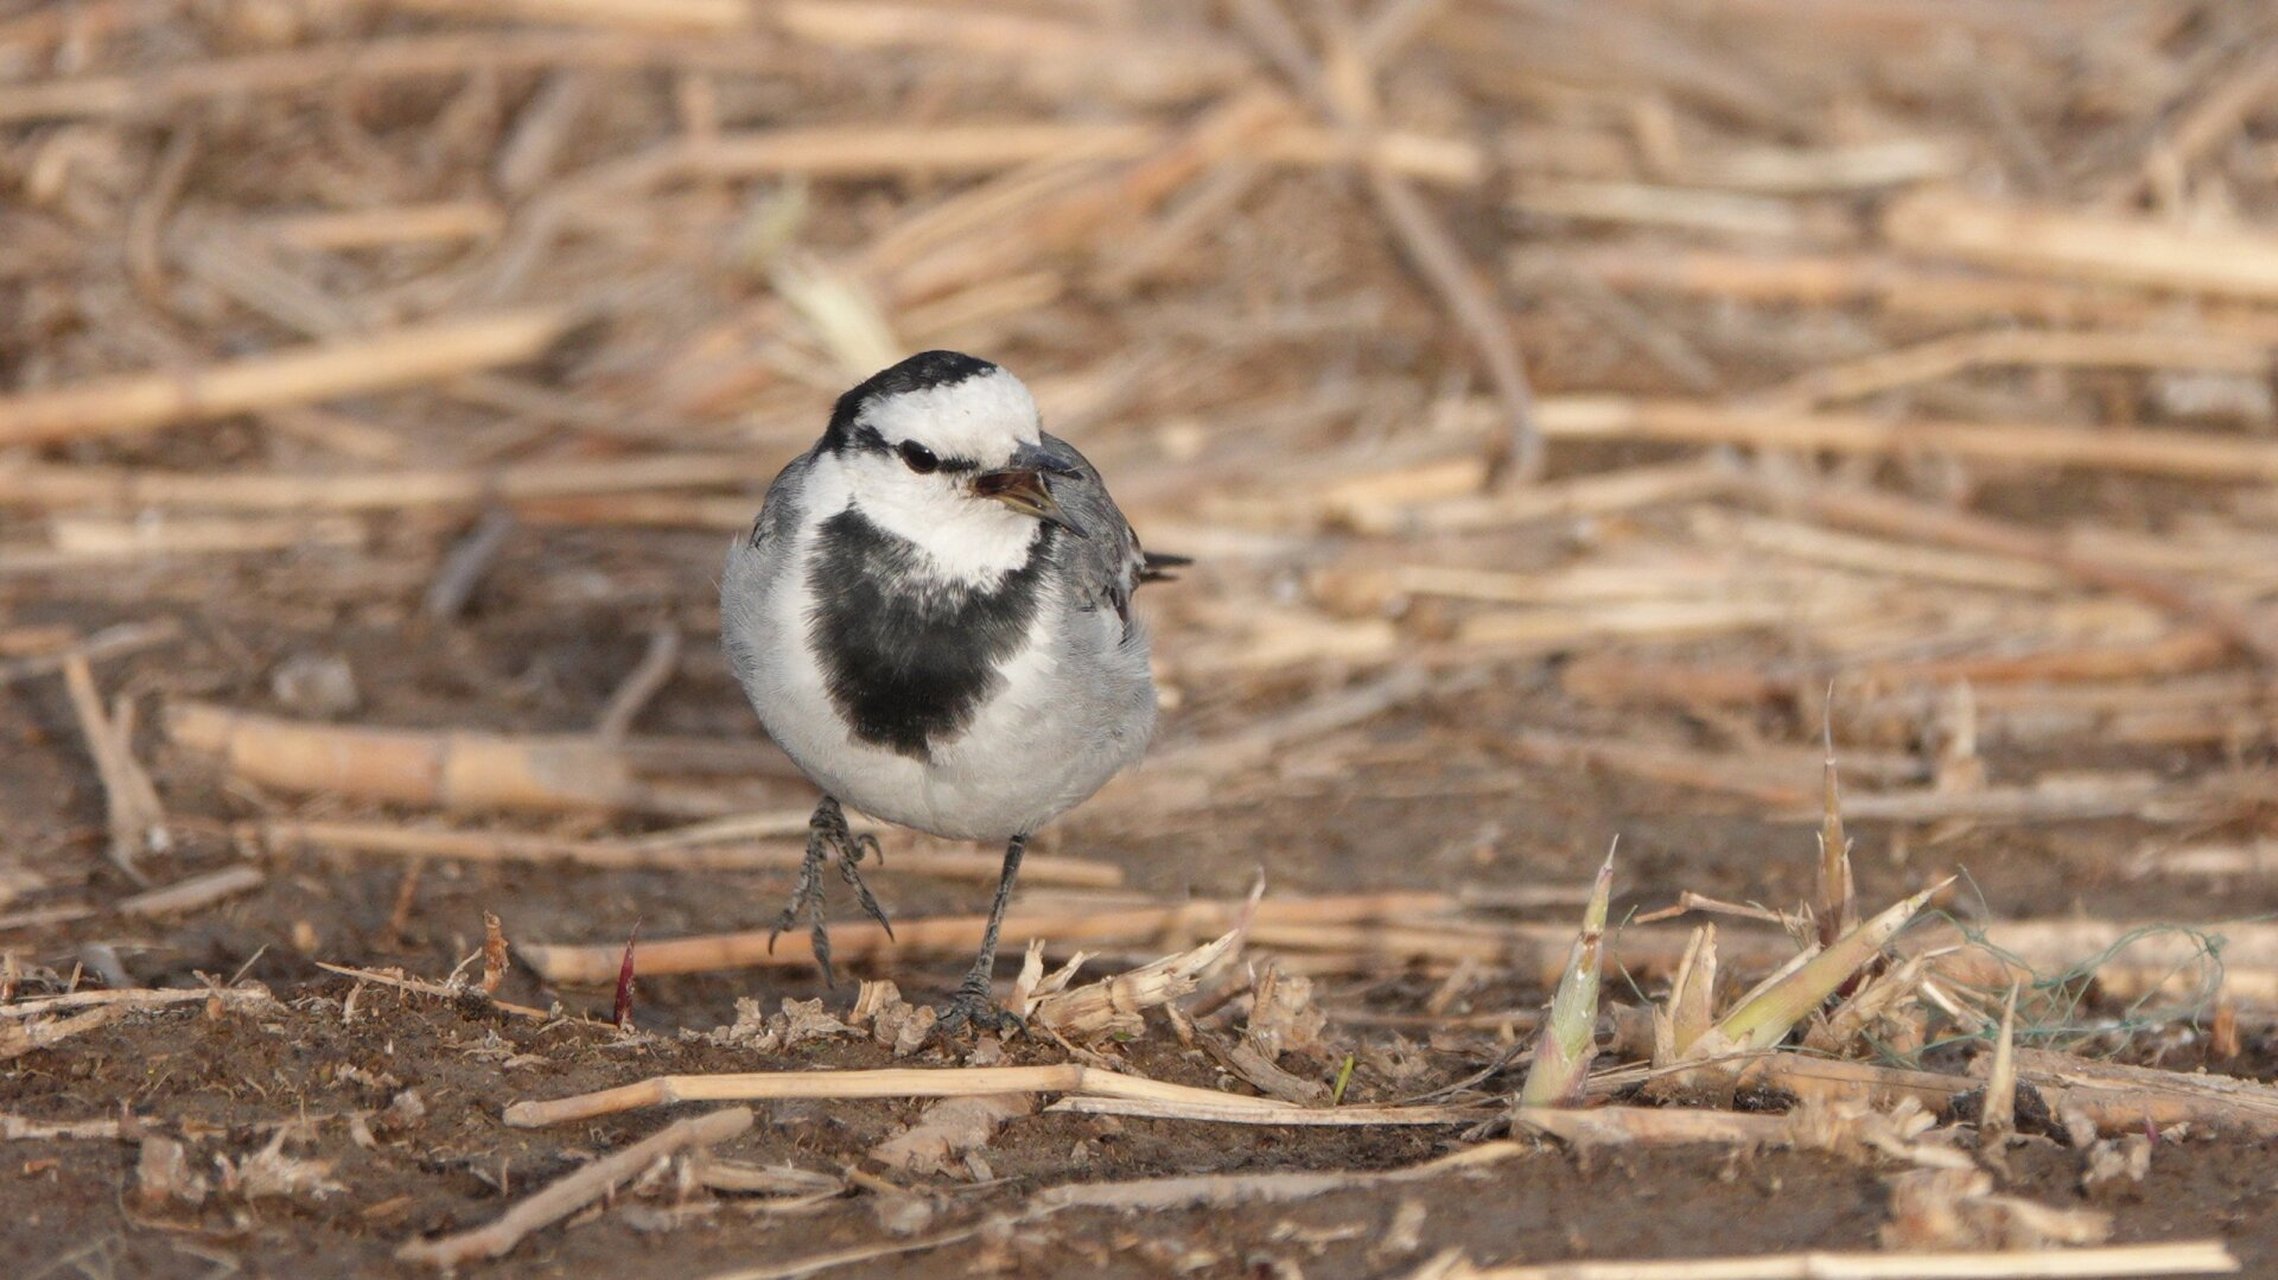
x=919 y=457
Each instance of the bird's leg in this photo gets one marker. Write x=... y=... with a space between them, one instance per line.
x=849 y=861
x=972 y=1003
x=829 y=834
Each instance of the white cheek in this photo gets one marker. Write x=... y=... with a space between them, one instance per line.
x=970 y=539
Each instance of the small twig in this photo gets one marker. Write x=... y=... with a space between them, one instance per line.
x=465 y=565
x=426 y=987
x=1519 y=452
x=1689 y=901
x=194 y=893
x=140 y=998
x=648 y=676
x=35 y=917
x=406 y=896
x=147 y=222
x=137 y=820
x=20 y=1038
x=110 y=642
x=567 y=1195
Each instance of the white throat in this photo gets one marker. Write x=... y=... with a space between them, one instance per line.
x=972 y=541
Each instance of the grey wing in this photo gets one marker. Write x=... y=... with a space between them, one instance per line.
x=757 y=559
x=778 y=511
x=1107 y=564
x=759 y=566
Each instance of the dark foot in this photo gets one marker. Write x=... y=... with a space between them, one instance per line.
x=828 y=836
x=972 y=1006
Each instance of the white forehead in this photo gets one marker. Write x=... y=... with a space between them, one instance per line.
x=983 y=417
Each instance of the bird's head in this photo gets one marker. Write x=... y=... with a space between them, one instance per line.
x=946 y=449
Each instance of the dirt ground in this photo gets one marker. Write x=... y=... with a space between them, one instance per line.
x=1395 y=666
x=227 y=1081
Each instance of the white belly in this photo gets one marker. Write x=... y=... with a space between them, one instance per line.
x=1046 y=740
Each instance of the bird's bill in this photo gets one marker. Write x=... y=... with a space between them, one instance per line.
x=1024 y=490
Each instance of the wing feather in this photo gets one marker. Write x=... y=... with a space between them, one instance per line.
x=1108 y=565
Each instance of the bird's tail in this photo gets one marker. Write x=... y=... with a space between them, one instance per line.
x=1156 y=566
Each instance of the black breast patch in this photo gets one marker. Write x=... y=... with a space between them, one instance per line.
x=909 y=659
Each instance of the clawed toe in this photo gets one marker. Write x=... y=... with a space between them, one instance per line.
x=973 y=1007
x=849 y=869
x=829 y=838
x=806 y=900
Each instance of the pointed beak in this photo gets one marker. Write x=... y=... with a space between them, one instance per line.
x=1025 y=488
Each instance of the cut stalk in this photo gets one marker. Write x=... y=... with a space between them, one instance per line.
x=1765 y=1019
x=1691 y=1009
x=1999 y=1118
x=1568 y=1042
x=1838 y=895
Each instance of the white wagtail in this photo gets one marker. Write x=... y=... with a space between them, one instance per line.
x=932 y=615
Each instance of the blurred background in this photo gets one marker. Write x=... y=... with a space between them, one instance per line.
x=1561 y=402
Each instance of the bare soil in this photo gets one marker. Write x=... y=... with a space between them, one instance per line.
x=227 y=1082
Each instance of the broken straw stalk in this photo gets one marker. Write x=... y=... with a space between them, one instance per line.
x=407 y=357
x=1359 y=932
x=457 y=768
x=2115 y=1100
x=866 y=941
x=899 y=1082
x=2194 y=1257
x=131 y=489
x=694 y=850
x=1900 y=286
x=136 y=819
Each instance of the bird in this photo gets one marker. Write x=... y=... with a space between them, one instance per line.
x=932 y=616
